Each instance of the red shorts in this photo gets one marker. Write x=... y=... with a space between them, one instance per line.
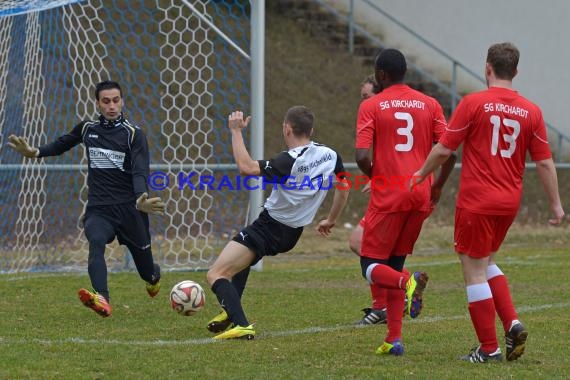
x=391 y=234
x=479 y=235
x=362 y=222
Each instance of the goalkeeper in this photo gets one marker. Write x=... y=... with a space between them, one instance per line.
x=117 y=203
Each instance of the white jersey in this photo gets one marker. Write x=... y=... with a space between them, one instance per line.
x=300 y=179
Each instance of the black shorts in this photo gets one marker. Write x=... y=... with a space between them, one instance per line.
x=130 y=226
x=268 y=237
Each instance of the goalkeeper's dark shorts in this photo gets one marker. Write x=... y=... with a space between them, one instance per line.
x=124 y=221
x=268 y=237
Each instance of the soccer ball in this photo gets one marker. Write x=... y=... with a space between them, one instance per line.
x=187 y=298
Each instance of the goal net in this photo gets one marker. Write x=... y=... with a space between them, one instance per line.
x=181 y=76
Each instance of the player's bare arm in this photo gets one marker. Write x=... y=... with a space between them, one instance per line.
x=441 y=179
x=20 y=145
x=438 y=155
x=363 y=161
x=547 y=175
x=246 y=165
x=339 y=201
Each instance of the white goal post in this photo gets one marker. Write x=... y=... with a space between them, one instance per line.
x=183 y=65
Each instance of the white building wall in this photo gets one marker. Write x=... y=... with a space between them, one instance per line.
x=465 y=28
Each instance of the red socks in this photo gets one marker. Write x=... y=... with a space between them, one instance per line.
x=482 y=311
x=386 y=277
x=380 y=295
x=389 y=283
x=501 y=296
x=394 y=314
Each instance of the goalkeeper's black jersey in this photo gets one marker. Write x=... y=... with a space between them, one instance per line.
x=118 y=159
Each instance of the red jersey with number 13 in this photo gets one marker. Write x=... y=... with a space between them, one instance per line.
x=498 y=126
x=401 y=124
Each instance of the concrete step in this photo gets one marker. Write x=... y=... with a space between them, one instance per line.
x=321 y=23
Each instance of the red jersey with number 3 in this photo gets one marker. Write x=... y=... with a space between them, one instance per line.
x=401 y=124
x=498 y=126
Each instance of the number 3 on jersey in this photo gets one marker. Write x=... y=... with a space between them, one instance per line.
x=405 y=131
x=509 y=139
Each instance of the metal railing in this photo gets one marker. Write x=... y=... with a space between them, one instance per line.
x=456 y=66
x=376 y=41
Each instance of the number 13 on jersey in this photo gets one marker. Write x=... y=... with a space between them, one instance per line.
x=510 y=140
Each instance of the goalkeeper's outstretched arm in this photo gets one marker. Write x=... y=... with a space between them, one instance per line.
x=20 y=145
x=61 y=145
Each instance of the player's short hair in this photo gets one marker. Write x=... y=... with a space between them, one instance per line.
x=301 y=119
x=504 y=59
x=107 y=85
x=393 y=63
x=371 y=79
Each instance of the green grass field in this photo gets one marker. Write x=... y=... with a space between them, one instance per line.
x=304 y=304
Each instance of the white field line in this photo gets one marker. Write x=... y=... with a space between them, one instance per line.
x=36 y=276
x=501 y=261
x=195 y=342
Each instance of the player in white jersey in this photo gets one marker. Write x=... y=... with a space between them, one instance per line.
x=300 y=178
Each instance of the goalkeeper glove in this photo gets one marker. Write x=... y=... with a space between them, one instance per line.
x=21 y=146
x=150 y=206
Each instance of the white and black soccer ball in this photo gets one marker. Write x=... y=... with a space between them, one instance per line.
x=187 y=298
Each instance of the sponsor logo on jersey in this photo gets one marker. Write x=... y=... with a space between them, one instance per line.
x=306 y=168
x=100 y=158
